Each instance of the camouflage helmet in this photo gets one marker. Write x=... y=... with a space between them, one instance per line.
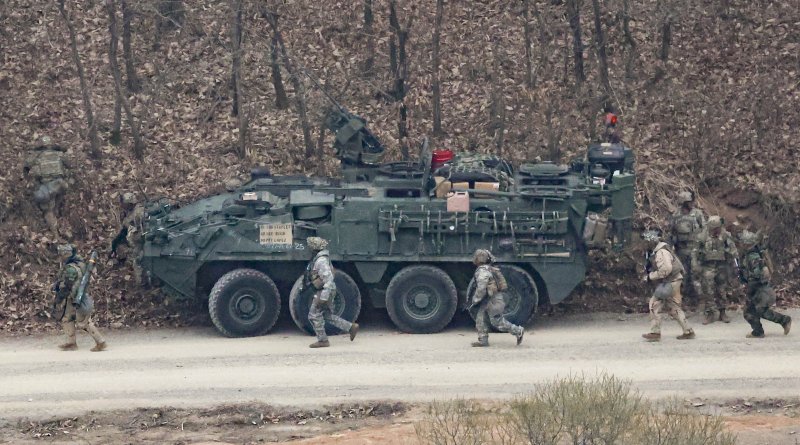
x=748 y=238
x=482 y=256
x=316 y=243
x=714 y=222
x=685 y=196
x=45 y=140
x=129 y=198
x=651 y=235
x=65 y=249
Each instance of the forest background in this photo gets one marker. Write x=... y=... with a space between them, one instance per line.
x=200 y=91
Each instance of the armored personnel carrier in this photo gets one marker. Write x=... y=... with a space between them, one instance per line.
x=401 y=234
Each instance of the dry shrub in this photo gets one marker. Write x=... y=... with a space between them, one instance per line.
x=572 y=410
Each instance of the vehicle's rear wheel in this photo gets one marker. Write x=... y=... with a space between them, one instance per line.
x=522 y=296
x=244 y=303
x=346 y=303
x=421 y=299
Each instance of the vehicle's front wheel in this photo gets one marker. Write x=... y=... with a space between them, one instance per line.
x=346 y=303
x=244 y=303
x=421 y=299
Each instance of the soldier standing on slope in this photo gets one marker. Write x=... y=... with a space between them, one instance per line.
x=46 y=164
x=319 y=275
x=490 y=286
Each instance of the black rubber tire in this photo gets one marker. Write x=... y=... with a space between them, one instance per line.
x=252 y=291
x=522 y=296
x=346 y=303
x=436 y=291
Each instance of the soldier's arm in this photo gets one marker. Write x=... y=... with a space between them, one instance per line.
x=730 y=247
x=481 y=281
x=663 y=265
x=326 y=273
x=701 y=218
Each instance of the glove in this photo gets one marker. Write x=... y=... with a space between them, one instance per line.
x=645 y=278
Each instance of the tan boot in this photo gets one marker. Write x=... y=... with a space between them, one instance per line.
x=480 y=344
x=710 y=317
x=787 y=327
x=320 y=344
x=687 y=336
x=353 y=331
x=652 y=336
x=68 y=346
x=723 y=317
x=520 y=335
x=99 y=347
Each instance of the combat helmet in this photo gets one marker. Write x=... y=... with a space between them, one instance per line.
x=714 y=222
x=66 y=249
x=749 y=239
x=316 y=243
x=651 y=235
x=684 y=197
x=129 y=198
x=482 y=256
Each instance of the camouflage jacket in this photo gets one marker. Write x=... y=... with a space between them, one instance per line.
x=134 y=222
x=45 y=164
x=754 y=268
x=666 y=265
x=686 y=227
x=488 y=281
x=714 y=248
x=69 y=278
x=323 y=269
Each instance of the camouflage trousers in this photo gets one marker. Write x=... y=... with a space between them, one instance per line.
x=73 y=321
x=132 y=257
x=671 y=306
x=715 y=281
x=691 y=278
x=490 y=312
x=47 y=196
x=319 y=313
x=760 y=299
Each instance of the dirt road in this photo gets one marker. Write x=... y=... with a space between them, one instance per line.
x=197 y=367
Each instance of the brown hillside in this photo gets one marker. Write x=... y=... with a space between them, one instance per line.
x=720 y=115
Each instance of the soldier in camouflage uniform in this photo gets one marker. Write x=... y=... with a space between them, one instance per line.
x=668 y=270
x=686 y=226
x=714 y=253
x=66 y=287
x=47 y=165
x=756 y=273
x=490 y=286
x=126 y=247
x=319 y=274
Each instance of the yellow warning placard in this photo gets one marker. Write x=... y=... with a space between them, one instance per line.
x=271 y=234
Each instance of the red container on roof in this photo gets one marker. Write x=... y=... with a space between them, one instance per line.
x=440 y=157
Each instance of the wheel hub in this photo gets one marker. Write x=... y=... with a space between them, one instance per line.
x=246 y=306
x=421 y=300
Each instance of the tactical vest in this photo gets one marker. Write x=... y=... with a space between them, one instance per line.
x=312 y=277
x=48 y=165
x=754 y=267
x=677 y=266
x=714 y=249
x=686 y=228
x=498 y=282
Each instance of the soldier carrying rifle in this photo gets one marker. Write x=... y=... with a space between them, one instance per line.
x=72 y=304
x=488 y=298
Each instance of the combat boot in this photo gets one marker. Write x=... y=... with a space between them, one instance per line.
x=99 y=347
x=480 y=344
x=320 y=344
x=687 y=336
x=755 y=335
x=68 y=346
x=353 y=331
x=519 y=336
x=710 y=317
x=723 y=317
x=787 y=326
x=652 y=336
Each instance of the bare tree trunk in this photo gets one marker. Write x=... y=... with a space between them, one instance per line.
x=369 y=20
x=629 y=40
x=94 y=141
x=299 y=88
x=116 y=128
x=600 y=48
x=666 y=30
x=236 y=77
x=138 y=143
x=554 y=133
x=527 y=37
x=497 y=119
x=400 y=74
x=281 y=100
x=436 y=88
x=133 y=82
x=574 y=15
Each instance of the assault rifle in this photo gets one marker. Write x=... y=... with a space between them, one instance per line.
x=648 y=264
x=739 y=271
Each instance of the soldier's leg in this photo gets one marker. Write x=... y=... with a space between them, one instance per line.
x=336 y=320
x=482 y=325
x=317 y=319
x=68 y=323
x=49 y=210
x=498 y=321
x=774 y=316
x=87 y=325
x=709 y=294
x=656 y=306
x=675 y=310
x=753 y=316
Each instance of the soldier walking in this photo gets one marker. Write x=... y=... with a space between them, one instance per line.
x=490 y=287
x=126 y=247
x=668 y=271
x=75 y=313
x=714 y=252
x=686 y=226
x=755 y=273
x=319 y=275
x=46 y=164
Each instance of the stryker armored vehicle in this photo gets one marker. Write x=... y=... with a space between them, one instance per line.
x=401 y=234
